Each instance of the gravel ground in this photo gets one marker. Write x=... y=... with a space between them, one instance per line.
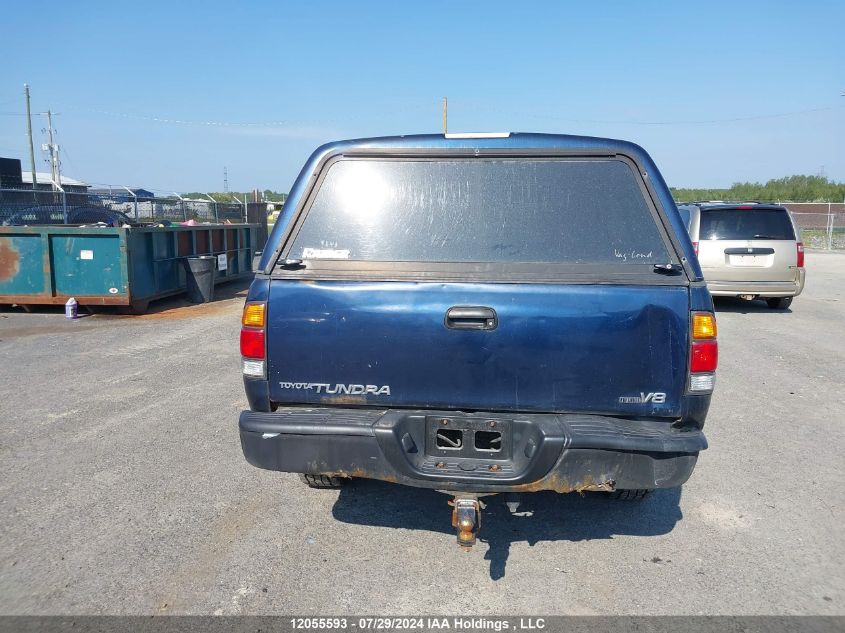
x=123 y=489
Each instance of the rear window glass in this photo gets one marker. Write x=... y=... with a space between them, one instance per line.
x=745 y=224
x=481 y=210
x=685 y=216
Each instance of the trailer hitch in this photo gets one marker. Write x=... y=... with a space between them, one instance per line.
x=466 y=519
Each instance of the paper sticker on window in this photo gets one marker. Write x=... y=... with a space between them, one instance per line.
x=86 y=254
x=325 y=253
x=222 y=262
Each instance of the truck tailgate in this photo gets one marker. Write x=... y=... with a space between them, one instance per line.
x=601 y=348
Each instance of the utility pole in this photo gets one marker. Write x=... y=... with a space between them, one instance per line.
x=445 y=116
x=29 y=136
x=225 y=180
x=55 y=169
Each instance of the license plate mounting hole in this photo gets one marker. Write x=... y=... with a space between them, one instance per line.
x=450 y=439
x=488 y=441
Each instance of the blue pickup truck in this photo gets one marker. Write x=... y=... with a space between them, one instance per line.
x=478 y=314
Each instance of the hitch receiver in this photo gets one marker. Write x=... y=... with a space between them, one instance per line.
x=466 y=519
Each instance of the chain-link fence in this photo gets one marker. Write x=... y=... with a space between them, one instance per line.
x=822 y=224
x=28 y=206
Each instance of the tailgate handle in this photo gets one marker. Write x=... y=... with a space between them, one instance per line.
x=471 y=318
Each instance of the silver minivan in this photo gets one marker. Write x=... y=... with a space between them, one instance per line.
x=748 y=250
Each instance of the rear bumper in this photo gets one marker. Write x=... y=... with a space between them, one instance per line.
x=563 y=453
x=761 y=288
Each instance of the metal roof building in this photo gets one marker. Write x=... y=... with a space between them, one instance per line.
x=44 y=181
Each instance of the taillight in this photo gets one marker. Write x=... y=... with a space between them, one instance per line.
x=704 y=352
x=704 y=356
x=252 y=343
x=253 y=351
x=695 y=248
x=800 y=254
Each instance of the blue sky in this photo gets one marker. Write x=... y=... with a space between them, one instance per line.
x=712 y=75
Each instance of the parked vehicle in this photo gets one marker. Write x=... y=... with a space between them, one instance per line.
x=748 y=250
x=479 y=314
x=47 y=214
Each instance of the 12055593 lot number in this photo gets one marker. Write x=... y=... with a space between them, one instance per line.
x=305 y=624
x=363 y=624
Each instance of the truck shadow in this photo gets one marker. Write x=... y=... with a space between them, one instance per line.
x=541 y=516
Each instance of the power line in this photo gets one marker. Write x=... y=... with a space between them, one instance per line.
x=157 y=119
x=693 y=122
x=260 y=124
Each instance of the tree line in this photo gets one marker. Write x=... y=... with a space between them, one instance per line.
x=788 y=189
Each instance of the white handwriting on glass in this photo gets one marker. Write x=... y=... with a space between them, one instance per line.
x=632 y=255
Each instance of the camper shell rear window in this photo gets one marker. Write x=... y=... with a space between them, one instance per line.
x=487 y=210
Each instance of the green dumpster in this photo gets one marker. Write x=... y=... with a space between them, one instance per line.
x=115 y=266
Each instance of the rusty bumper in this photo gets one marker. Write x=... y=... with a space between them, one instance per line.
x=477 y=452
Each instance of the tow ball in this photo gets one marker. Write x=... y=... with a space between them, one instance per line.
x=466 y=519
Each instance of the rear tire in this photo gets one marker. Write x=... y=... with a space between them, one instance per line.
x=779 y=303
x=636 y=494
x=323 y=482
